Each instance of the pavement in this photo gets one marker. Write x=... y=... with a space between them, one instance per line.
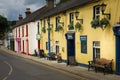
x=77 y=70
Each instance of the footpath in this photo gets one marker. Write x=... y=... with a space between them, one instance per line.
x=77 y=70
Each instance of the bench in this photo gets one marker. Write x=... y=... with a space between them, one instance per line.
x=51 y=56
x=101 y=63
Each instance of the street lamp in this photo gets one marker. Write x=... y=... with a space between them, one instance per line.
x=76 y=15
x=103 y=7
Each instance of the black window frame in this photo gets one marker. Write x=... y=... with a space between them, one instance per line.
x=71 y=19
x=83 y=40
x=57 y=24
x=96 y=12
x=45 y=24
x=47 y=47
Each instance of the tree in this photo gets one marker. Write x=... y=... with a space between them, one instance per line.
x=3 y=26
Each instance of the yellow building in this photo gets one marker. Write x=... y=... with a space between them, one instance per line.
x=82 y=44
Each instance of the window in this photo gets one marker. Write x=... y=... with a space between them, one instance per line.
x=26 y=30
x=47 y=46
x=19 y=31
x=83 y=40
x=71 y=27
x=96 y=12
x=96 y=49
x=23 y=31
x=57 y=47
x=57 y=24
x=44 y=24
x=16 y=32
x=71 y=17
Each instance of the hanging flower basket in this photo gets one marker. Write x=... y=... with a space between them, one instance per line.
x=49 y=28
x=70 y=26
x=43 y=30
x=104 y=22
x=95 y=23
x=59 y=28
x=78 y=26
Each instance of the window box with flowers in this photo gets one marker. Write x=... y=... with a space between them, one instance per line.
x=49 y=28
x=43 y=30
x=71 y=26
x=78 y=26
x=59 y=28
x=104 y=22
x=95 y=23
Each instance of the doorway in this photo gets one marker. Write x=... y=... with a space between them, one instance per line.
x=70 y=48
x=116 y=30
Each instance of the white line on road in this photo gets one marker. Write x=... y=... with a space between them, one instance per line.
x=10 y=72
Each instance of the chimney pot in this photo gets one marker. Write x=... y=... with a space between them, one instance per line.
x=20 y=17
x=27 y=11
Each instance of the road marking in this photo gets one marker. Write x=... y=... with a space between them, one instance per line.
x=10 y=72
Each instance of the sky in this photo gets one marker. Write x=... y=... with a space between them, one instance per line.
x=12 y=8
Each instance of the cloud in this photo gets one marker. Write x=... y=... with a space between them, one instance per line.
x=12 y=8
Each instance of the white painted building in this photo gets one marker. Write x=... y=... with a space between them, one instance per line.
x=26 y=31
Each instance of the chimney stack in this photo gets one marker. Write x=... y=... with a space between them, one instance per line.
x=28 y=12
x=20 y=17
x=50 y=3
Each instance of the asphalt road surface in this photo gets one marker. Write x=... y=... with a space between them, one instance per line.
x=17 y=68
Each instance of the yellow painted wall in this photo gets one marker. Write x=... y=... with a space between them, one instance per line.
x=106 y=37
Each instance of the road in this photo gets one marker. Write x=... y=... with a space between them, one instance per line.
x=17 y=68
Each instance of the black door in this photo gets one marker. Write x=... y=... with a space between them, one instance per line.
x=70 y=49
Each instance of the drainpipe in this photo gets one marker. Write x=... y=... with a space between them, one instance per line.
x=48 y=35
x=39 y=37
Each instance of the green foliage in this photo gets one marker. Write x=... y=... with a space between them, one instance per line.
x=3 y=26
x=49 y=28
x=95 y=23
x=78 y=26
x=43 y=30
x=70 y=26
x=104 y=22
x=11 y=23
x=59 y=28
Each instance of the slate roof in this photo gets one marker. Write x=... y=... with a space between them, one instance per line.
x=46 y=12
x=66 y=6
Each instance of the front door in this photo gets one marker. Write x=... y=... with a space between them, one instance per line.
x=116 y=30
x=70 y=49
x=118 y=55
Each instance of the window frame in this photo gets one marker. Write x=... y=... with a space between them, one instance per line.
x=22 y=31
x=57 y=24
x=96 y=12
x=71 y=20
x=26 y=30
x=83 y=40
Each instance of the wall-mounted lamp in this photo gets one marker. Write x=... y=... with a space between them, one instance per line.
x=103 y=7
x=59 y=20
x=76 y=15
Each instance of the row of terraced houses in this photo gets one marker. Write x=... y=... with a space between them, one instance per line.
x=78 y=29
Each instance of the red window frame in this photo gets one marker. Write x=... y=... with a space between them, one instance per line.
x=19 y=31
x=23 y=31
x=16 y=32
x=26 y=30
